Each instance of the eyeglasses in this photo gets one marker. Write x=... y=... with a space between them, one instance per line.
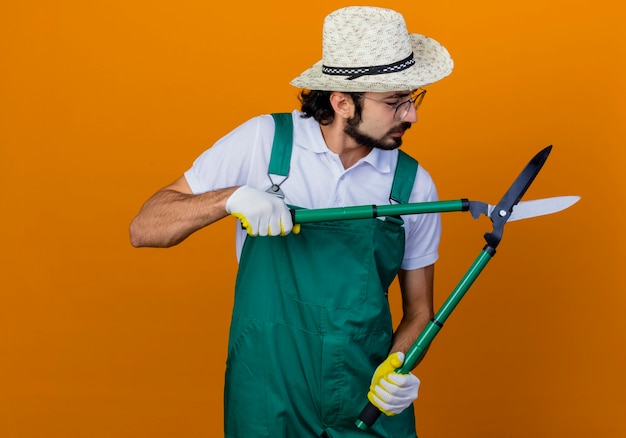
x=402 y=109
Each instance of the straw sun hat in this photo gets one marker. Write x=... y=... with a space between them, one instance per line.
x=369 y=49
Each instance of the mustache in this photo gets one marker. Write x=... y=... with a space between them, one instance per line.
x=404 y=126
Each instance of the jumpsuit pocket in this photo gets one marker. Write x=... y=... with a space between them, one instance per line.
x=245 y=395
x=329 y=265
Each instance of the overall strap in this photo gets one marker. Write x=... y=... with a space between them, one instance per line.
x=404 y=178
x=281 y=148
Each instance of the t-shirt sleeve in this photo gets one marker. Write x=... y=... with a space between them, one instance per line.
x=227 y=163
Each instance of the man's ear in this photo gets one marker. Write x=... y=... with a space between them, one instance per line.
x=342 y=104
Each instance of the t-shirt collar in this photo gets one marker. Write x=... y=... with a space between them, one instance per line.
x=313 y=140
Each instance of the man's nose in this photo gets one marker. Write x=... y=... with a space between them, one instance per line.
x=411 y=116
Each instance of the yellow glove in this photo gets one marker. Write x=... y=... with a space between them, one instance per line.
x=390 y=391
x=261 y=213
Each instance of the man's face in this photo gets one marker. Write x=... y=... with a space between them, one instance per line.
x=379 y=127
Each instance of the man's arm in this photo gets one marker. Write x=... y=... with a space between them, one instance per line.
x=390 y=391
x=174 y=212
x=416 y=287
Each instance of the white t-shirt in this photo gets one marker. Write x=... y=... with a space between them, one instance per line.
x=317 y=179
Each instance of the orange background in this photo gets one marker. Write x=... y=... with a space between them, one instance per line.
x=102 y=103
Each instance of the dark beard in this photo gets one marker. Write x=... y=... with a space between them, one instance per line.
x=353 y=132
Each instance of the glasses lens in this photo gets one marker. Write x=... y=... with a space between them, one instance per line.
x=402 y=110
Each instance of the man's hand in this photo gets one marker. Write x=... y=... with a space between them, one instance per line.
x=390 y=391
x=261 y=213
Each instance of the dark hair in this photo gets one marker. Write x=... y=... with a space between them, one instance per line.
x=316 y=104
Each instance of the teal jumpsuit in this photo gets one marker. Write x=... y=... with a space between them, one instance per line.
x=311 y=322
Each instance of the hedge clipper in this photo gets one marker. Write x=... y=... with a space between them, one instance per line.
x=509 y=208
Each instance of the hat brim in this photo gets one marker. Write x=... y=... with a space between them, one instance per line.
x=432 y=63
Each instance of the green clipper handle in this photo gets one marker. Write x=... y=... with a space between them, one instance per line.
x=370 y=413
x=370 y=211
